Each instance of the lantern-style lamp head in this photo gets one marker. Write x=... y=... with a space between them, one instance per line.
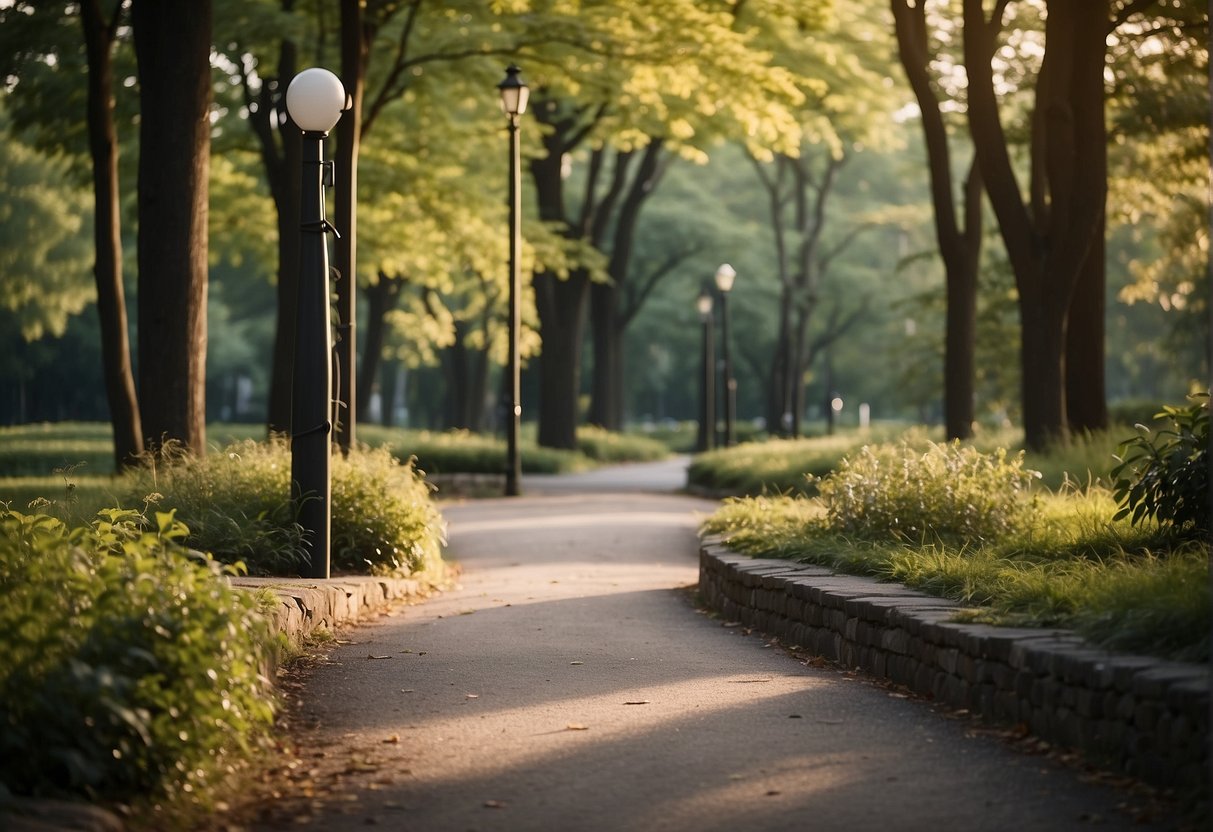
x=514 y=92
x=725 y=276
x=315 y=99
x=704 y=304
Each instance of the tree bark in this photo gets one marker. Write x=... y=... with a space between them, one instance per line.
x=1086 y=390
x=354 y=51
x=561 y=305
x=381 y=299
x=172 y=46
x=959 y=247
x=606 y=321
x=99 y=37
x=1047 y=237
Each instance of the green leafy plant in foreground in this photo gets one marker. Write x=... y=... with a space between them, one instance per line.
x=1164 y=475
x=128 y=668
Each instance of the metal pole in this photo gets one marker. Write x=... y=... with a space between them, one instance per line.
x=730 y=383
x=312 y=387
x=707 y=412
x=513 y=471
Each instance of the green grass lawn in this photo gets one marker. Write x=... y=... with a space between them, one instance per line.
x=1142 y=588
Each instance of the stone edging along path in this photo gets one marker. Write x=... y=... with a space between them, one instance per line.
x=1135 y=714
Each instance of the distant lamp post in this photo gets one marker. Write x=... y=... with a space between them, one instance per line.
x=514 y=95
x=707 y=382
x=725 y=276
x=314 y=99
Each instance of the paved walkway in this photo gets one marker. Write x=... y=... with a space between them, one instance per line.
x=571 y=684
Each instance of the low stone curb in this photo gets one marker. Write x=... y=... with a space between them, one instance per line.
x=1134 y=714
x=308 y=605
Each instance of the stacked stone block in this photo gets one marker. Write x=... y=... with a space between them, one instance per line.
x=1137 y=714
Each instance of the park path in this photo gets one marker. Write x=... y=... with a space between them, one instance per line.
x=570 y=683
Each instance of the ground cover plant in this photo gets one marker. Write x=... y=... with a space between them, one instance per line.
x=961 y=524
x=236 y=503
x=129 y=670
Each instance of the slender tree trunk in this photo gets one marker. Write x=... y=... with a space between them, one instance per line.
x=388 y=377
x=562 y=308
x=381 y=299
x=1086 y=393
x=606 y=394
x=1047 y=238
x=107 y=236
x=172 y=45
x=349 y=135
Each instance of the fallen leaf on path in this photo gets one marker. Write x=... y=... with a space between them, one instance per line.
x=494 y=804
x=473 y=696
x=576 y=662
x=576 y=726
x=772 y=792
x=747 y=681
x=638 y=702
x=373 y=656
x=393 y=738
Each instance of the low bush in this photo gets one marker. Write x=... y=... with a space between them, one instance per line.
x=947 y=492
x=128 y=667
x=236 y=503
x=1164 y=474
x=383 y=518
x=607 y=446
x=463 y=452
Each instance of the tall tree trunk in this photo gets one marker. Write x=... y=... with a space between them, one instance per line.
x=1048 y=238
x=1086 y=392
x=561 y=305
x=606 y=394
x=99 y=37
x=606 y=320
x=349 y=135
x=172 y=45
x=381 y=298
x=959 y=247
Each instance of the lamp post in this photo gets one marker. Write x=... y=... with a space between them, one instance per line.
x=514 y=95
x=725 y=276
x=707 y=384
x=314 y=99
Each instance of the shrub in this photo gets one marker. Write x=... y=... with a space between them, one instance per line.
x=602 y=445
x=236 y=502
x=128 y=666
x=383 y=517
x=1164 y=475
x=237 y=505
x=948 y=492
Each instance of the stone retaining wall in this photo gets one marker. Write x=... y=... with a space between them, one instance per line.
x=1140 y=715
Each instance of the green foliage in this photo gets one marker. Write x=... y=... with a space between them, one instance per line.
x=950 y=491
x=606 y=446
x=1164 y=474
x=383 y=517
x=777 y=465
x=1123 y=587
x=237 y=505
x=129 y=667
x=463 y=452
x=236 y=502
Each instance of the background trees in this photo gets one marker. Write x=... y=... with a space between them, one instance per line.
x=642 y=119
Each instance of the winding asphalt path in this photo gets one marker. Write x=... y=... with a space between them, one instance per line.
x=571 y=684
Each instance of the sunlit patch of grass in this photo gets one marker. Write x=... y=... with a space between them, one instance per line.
x=1123 y=587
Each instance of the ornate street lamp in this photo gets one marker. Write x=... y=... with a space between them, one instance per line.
x=514 y=95
x=725 y=276
x=315 y=100
x=707 y=391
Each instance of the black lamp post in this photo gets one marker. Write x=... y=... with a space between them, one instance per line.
x=315 y=100
x=514 y=95
x=725 y=276
x=707 y=391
